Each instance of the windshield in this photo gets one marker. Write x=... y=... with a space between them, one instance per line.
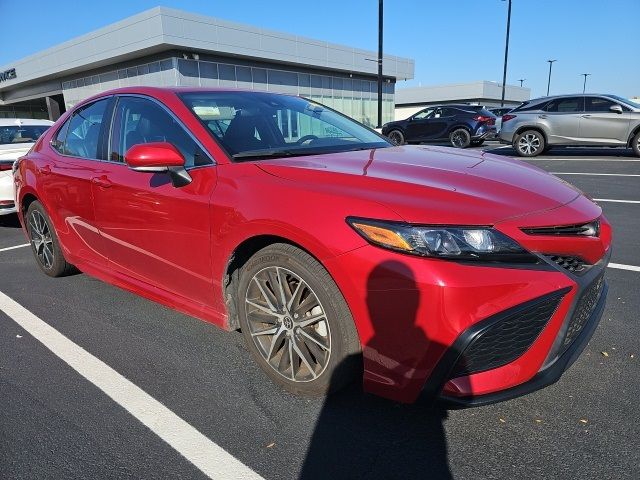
x=10 y=134
x=252 y=125
x=625 y=101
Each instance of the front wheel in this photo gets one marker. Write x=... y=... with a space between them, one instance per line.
x=529 y=143
x=296 y=323
x=460 y=138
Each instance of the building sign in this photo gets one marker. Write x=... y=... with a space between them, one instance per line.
x=8 y=75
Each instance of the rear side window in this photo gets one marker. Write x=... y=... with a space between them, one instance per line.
x=599 y=104
x=139 y=120
x=566 y=105
x=58 y=142
x=529 y=106
x=83 y=133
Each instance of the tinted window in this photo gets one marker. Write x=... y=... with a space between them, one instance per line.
x=449 y=112
x=21 y=133
x=532 y=105
x=566 y=105
x=139 y=120
x=83 y=134
x=599 y=104
x=58 y=141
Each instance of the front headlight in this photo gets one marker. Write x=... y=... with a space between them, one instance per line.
x=452 y=242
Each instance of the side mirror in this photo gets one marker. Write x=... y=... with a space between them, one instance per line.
x=158 y=157
x=616 y=108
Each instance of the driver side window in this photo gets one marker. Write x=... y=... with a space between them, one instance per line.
x=423 y=114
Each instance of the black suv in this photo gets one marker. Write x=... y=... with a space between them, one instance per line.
x=461 y=125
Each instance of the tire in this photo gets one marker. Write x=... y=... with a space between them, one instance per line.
x=330 y=346
x=529 y=143
x=460 y=138
x=635 y=144
x=44 y=242
x=477 y=143
x=396 y=137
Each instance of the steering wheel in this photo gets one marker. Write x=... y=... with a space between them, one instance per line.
x=306 y=138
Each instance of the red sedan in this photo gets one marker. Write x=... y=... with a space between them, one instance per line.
x=428 y=272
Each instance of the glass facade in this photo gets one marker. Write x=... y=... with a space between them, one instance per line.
x=356 y=98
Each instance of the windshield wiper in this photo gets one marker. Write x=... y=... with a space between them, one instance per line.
x=275 y=153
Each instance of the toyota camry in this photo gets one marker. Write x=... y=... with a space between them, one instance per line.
x=424 y=272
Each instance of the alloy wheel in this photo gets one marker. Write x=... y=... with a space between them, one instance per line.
x=41 y=239
x=288 y=324
x=396 y=137
x=459 y=139
x=529 y=144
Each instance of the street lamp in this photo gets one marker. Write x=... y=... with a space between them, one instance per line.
x=549 y=81
x=506 y=53
x=521 y=81
x=584 y=85
x=380 y=14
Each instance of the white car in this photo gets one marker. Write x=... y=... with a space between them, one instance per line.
x=17 y=136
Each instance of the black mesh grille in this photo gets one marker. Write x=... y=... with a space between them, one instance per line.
x=507 y=339
x=584 y=309
x=573 y=264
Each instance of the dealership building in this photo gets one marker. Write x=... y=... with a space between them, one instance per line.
x=413 y=99
x=167 y=47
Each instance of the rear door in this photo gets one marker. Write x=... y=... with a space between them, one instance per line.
x=76 y=156
x=154 y=232
x=562 y=118
x=600 y=125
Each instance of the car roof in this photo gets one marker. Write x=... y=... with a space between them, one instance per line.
x=8 y=122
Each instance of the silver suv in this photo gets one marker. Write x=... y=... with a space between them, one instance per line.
x=583 y=120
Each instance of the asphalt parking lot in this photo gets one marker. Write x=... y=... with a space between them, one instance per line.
x=56 y=423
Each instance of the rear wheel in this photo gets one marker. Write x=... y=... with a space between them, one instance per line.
x=460 y=138
x=296 y=323
x=635 y=144
x=529 y=143
x=44 y=242
x=396 y=137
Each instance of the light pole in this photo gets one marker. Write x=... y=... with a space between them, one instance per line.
x=584 y=85
x=521 y=81
x=380 y=14
x=506 y=54
x=549 y=81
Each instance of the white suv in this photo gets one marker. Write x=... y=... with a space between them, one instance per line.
x=17 y=136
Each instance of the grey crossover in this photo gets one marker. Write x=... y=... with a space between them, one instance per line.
x=579 y=120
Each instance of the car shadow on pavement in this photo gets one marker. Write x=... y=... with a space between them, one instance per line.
x=359 y=435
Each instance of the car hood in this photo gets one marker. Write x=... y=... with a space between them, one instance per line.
x=424 y=184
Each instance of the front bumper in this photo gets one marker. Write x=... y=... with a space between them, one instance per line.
x=569 y=345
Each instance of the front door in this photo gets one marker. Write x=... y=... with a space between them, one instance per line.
x=152 y=231
x=600 y=125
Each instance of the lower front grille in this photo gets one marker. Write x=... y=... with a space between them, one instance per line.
x=509 y=337
x=573 y=264
x=584 y=308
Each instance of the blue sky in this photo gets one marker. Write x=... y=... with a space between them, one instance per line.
x=451 y=41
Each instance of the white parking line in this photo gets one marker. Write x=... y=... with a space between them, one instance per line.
x=615 y=201
x=14 y=247
x=621 y=266
x=206 y=455
x=601 y=174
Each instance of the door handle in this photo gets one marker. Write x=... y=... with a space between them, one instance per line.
x=102 y=182
x=586 y=116
x=46 y=170
x=542 y=116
